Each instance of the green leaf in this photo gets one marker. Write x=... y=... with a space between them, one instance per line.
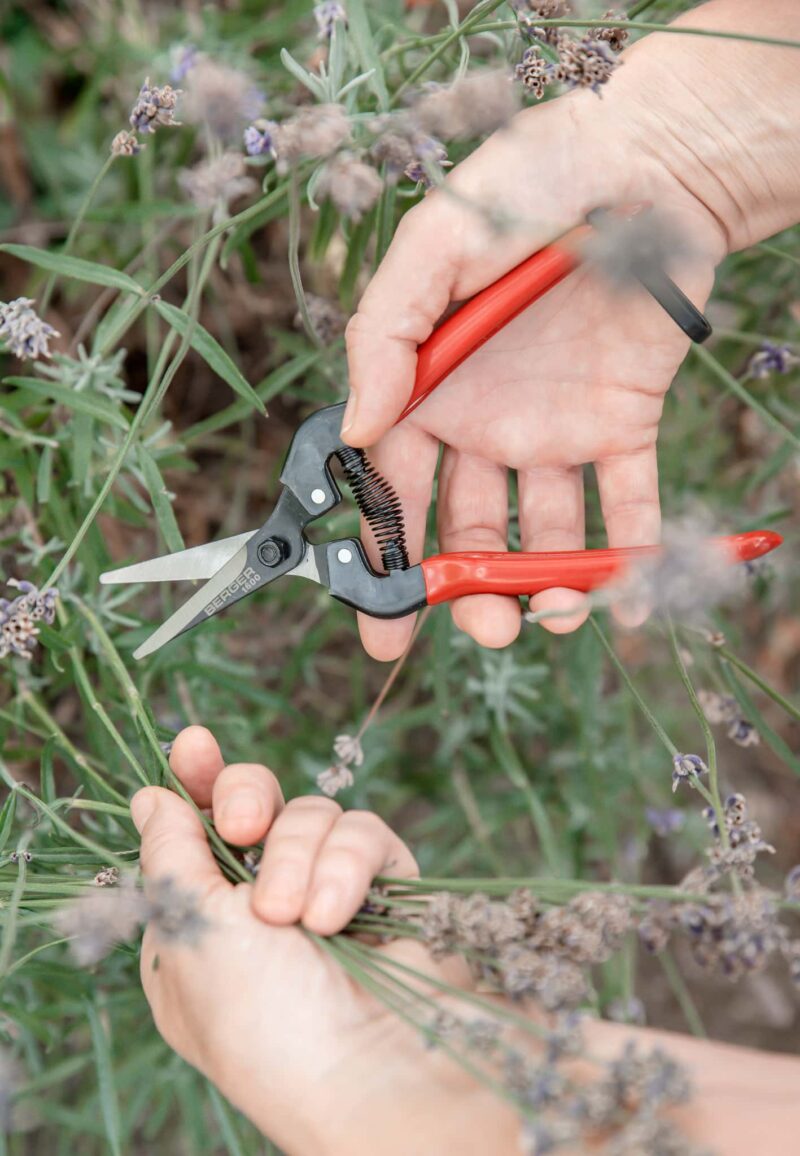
x=44 y=476
x=272 y=385
x=74 y=267
x=47 y=779
x=162 y=505
x=368 y=55
x=100 y=407
x=105 y=1078
x=211 y=351
x=7 y=818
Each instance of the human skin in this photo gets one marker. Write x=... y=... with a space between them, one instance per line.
x=703 y=128
x=318 y=1064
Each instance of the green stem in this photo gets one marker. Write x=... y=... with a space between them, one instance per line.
x=467 y=25
x=682 y=994
x=294 y=259
x=712 y=796
x=735 y=387
x=642 y=705
x=791 y=708
x=12 y=911
x=76 y=224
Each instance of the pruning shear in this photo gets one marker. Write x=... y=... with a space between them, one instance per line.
x=233 y=568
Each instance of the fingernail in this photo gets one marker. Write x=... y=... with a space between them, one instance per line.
x=350 y=412
x=241 y=805
x=142 y=807
x=325 y=903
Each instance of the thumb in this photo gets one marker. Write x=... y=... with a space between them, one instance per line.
x=409 y=292
x=174 y=842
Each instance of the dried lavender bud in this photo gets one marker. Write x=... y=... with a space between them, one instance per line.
x=534 y=71
x=327 y=15
x=18 y=630
x=23 y=331
x=438 y=924
x=334 y=779
x=347 y=748
x=328 y=323
x=772 y=359
x=665 y=822
x=429 y=154
x=352 y=185
x=585 y=63
x=471 y=107
x=216 y=183
x=485 y=924
x=615 y=38
x=685 y=768
x=525 y=971
x=259 y=138
x=743 y=733
x=107 y=877
x=394 y=150
x=311 y=133
x=155 y=107
x=183 y=58
x=220 y=98
x=655 y=926
x=125 y=144
x=525 y=907
x=718 y=708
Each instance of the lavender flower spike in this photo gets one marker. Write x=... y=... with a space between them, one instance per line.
x=327 y=15
x=126 y=144
x=259 y=138
x=23 y=331
x=154 y=107
x=772 y=359
x=18 y=630
x=686 y=768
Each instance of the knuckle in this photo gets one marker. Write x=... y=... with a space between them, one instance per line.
x=313 y=805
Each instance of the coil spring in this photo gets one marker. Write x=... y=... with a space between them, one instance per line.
x=379 y=506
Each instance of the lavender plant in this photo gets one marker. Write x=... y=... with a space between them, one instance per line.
x=194 y=207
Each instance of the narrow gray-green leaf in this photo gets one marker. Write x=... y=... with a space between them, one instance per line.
x=101 y=408
x=212 y=353
x=162 y=505
x=368 y=55
x=74 y=267
x=7 y=818
x=105 y=1079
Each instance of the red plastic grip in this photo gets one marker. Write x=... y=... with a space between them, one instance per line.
x=488 y=311
x=449 y=576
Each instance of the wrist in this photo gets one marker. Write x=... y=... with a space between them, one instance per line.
x=704 y=108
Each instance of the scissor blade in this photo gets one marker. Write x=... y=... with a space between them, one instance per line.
x=230 y=581
x=182 y=566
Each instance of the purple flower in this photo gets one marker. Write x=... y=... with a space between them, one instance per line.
x=665 y=822
x=772 y=359
x=685 y=768
x=154 y=106
x=259 y=138
x=327 y=15
x=23 y=331
x=428 y=153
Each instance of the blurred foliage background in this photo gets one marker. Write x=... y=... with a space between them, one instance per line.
x=529 y=761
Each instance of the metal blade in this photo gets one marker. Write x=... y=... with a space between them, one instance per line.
x=197 y=609
x=184 y=565
x=234 y=581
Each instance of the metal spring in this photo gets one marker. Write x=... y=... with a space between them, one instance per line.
x=379 y=506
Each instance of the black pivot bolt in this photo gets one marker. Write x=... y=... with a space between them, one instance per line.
x=273 y=551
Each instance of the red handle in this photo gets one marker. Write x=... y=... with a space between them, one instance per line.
x=449 y=576
x=486 y=313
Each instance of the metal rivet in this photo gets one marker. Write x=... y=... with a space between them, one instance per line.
x=318 y=497
x=345 y=555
